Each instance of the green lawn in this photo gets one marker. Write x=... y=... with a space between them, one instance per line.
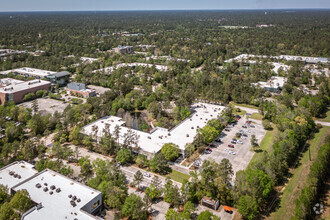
x=177 y=176
x=239 y=113
x=256 y=116
x=299 y=175
x=266 y=142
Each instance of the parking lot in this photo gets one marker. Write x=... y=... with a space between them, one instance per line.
x=47 y=105
x=242 y=154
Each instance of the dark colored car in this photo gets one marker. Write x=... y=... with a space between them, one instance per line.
x=244 y=126
x=230 y=145
x=233 y=142
x=227 y=129
x=213 y=146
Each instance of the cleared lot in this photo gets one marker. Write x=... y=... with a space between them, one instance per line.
x=243 y=154
x=47 y=105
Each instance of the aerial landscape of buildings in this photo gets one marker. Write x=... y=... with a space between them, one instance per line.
x=179 y=114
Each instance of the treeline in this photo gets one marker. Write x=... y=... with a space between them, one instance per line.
x=316 y=180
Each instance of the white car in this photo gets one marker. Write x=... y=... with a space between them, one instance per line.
x=227 y=150
x=147 y=174
x=232 y=153
x=240 y=142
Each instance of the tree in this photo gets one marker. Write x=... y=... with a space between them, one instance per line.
x=3 y=194
x=189 y=150
x=248 y=207
x=75 y=136
x=159 y=163
x=267 y=125
x=35 y=106
x=254 y=142
x=141 y=160
x=124 y=156
x=206 y=215
x=134 y=207
x=86 y=171
x=226 y=170
x=154 y=190
x=171 y=193
x=171 y=214
x=21 y=201
x=208 y=134
x=138 y=178
x=7 y=212
x=170 y=151
x=61 y=152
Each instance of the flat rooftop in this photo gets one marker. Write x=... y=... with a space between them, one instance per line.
x=9 y=81
x=273 y=82
x=108 y=70
x=281 y=57
x=29 y=71
x=23 y=86
x=152 y=142
x=56 y=202
x=15 y=173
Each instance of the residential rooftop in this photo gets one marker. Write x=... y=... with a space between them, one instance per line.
x=154 y=140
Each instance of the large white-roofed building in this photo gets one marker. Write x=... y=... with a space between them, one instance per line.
x=151 y=142
x=56 y=196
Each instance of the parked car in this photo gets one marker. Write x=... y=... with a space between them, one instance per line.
x=233 y=142
x=209 y=149
x=248 y=122
x=227 y=129
x=207 y=152
x=218 y=140
x=245 y=135
x=147 y=174
x=213 y=146
x=234 y=139
x=240 y=142
x=232 y=153
x=231 y=146
x=252 y=126
x=244 y=126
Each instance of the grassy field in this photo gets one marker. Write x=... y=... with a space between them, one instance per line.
x=256 y=116
x=265 y=144
x=327 y=117
x=299 y=175
x=241 y=113
x=177 y=176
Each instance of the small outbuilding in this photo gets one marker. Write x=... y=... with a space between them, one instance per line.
x=210 y=203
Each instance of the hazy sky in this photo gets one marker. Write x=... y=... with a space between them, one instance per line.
x=73 y=5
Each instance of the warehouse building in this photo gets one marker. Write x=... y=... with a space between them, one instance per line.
x=15 y=90
x=56 y=196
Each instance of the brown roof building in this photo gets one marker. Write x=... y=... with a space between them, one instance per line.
x=18 y=89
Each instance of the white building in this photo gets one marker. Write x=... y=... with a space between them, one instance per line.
x=152 y=142
x=109 y=70
x=274 y=84
x=27 y=71
x=57 y=196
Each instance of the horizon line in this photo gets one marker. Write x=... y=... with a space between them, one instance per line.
x=141 y=10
